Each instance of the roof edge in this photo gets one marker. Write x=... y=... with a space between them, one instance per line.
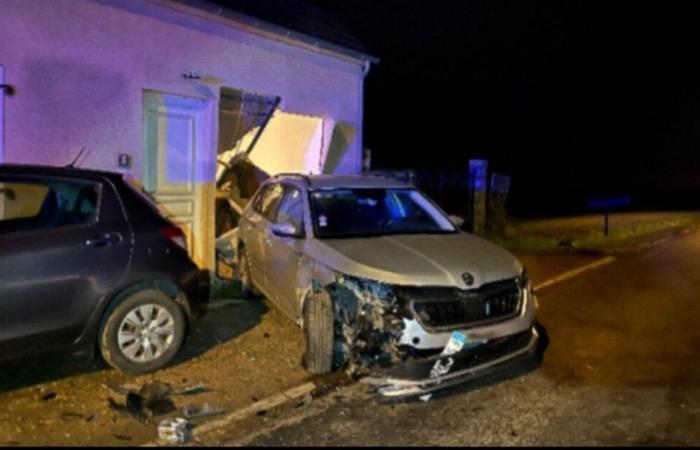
x=226 y=16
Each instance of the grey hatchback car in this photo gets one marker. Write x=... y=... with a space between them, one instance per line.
x=89 y=265
x=383 y=283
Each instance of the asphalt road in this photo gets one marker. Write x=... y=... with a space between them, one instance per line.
x=622 y=368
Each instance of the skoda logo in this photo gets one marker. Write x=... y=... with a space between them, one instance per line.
x=468 y=278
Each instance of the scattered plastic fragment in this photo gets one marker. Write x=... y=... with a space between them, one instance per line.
x=426 y=397
x=175 y=430
x=443 y=365
x=50 y=395
x=192 y=411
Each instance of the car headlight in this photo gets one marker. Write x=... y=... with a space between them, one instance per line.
x=525 y=286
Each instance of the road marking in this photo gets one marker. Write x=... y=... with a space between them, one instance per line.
x=575 y=272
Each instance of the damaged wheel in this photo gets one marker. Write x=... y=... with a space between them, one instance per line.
x=318 y=331
x=143 y=332
x=247 y=288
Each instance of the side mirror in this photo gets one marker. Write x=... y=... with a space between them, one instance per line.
x=286 y=230
x=456 y=220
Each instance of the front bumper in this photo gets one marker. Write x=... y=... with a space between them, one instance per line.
x=413 y=376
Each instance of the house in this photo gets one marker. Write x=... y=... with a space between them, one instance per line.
x=172 y=93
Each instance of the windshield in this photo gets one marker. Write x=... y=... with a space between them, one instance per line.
x=341 y=213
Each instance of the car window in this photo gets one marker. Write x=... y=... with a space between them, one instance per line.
x=346 y=213
x=37 y=205
x=291 y=208
x=269 y=200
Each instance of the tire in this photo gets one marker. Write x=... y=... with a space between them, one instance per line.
x=318 y=331
x=153 y=350
x=248 y=290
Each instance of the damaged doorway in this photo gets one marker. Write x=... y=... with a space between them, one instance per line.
x=242 y=119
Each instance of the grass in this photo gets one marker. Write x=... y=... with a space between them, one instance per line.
x=626 y=230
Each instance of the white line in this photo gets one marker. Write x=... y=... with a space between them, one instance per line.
x=575 y=272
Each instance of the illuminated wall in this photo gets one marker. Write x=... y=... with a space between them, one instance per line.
x=80 y=68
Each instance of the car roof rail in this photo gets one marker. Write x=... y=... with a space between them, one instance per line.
x=296 y=175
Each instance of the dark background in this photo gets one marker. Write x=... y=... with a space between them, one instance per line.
x=573 y=99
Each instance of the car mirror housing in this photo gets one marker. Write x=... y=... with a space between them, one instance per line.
x=286 y=230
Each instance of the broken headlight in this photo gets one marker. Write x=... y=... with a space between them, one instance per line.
x=526 y=290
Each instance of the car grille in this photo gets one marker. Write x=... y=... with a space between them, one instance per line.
x=447 y=308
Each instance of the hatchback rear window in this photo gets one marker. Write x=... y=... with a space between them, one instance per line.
x=37 y=205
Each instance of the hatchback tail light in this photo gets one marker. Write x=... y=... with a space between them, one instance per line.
x=175 y=235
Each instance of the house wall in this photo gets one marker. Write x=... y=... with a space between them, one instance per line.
x=80 y=68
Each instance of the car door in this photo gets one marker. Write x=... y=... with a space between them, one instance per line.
x=65 y=244
x=259 y=233
x=286 y=251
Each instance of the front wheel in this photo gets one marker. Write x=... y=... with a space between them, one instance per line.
x=143 y=332
x=318 y=331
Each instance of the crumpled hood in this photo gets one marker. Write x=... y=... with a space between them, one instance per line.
x=424 y=260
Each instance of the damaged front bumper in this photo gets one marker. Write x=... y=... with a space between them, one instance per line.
x=413 y=377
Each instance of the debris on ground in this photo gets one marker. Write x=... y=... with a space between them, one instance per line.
x=426 y=397
x=174 y=430
x=72 y=415
x=50 y=395
x=193 y=411
x=150 y=400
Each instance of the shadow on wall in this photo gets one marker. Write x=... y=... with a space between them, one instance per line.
x=343 y=135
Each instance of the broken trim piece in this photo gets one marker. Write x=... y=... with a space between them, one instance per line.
x=394 y=387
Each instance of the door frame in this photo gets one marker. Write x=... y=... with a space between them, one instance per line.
x=204 y=160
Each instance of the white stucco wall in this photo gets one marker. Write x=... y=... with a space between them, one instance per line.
x=80 y=66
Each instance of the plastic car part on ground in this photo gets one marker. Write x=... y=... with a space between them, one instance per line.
x=369 y=326
x=175 y=431
x=149 y=400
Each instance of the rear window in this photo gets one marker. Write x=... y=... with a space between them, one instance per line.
x=46 y=204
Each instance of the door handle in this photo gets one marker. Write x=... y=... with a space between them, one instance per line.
x=105 y=239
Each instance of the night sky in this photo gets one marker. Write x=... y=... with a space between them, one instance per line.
x=573 y=99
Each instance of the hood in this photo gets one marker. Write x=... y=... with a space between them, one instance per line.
x=419 y=260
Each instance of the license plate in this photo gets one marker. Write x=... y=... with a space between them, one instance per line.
x=455 y=344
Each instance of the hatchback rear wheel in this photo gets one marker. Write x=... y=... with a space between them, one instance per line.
x=143 y=332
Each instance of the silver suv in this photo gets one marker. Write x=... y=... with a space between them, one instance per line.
x=383 y=283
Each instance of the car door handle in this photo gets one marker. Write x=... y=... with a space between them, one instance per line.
x=105 y=239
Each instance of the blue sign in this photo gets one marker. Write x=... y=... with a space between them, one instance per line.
x=609 y=202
